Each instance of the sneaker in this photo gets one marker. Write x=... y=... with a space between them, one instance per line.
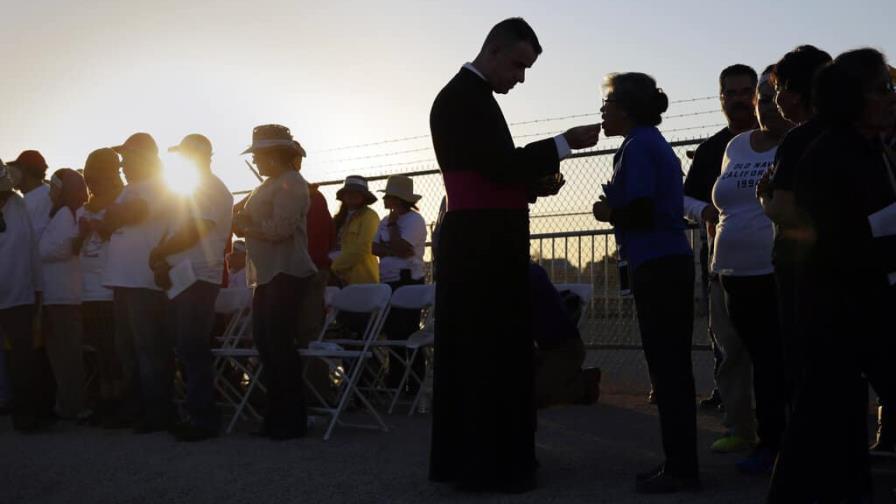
x=189 y=433
x=713 y=402
x=761 y=461
x=665 y=483
x=592 y=377
x=729 y=443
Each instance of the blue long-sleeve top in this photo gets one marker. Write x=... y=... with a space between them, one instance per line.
x=647 y=198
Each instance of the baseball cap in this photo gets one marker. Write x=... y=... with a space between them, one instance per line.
x=194 y=144
x=30 y=160
x=141 y=143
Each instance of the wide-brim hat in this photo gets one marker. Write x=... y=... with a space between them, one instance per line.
x=357 y=183
x=271 y=136
x=401 y=187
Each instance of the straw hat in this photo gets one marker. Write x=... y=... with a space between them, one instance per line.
x=401 y=187
x=357 y=183
x=271 y=136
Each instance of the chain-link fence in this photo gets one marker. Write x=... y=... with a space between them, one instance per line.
x=566 y=240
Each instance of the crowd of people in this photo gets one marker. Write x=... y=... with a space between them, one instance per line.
x=795 y=199
x=129 y=271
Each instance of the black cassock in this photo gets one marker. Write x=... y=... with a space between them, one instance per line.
x=483 y=431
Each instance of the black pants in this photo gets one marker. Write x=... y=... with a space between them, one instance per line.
x=15 y=324
x=99 y=332
x=785 y=283
x=276 y=330
x=753 y=308
x=400 y=324
x=664 y=296
x=847 y=332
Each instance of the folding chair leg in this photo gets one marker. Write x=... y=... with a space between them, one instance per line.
x=239 y=409
x=350 y=391
x=408 y=369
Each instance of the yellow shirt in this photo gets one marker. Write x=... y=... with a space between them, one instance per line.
x=355 y=263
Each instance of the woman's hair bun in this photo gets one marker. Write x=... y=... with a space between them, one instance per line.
x=660 y=101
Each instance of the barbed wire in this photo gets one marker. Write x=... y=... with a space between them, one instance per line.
x=373 y=144
x=591 y=114
x=546 y=119
x=546 y=134
x=373 y=156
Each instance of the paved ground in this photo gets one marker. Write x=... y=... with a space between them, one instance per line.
x=588 y=454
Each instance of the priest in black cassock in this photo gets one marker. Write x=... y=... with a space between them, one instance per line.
x=484 y=409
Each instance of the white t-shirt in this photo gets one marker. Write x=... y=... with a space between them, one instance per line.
x=39 y=205
x=60 y=263
x=237 y=279
x=19 y=265
x=412 y=229
x=128 y=261
x=94 y=253
x=744 y=235
x=211 y=201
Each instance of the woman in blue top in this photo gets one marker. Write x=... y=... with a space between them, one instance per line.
x=644 y=201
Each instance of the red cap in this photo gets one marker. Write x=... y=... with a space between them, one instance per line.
x=30 y=160
x=141 y=143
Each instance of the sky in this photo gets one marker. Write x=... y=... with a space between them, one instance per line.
x=83 y=75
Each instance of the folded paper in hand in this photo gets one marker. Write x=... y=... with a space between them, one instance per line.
x=182 y=277
x=883 y=223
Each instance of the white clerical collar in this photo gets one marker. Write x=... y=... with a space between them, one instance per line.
x=470 y=67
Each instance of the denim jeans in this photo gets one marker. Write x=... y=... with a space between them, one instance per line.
x=192 y=315
x=153 y=342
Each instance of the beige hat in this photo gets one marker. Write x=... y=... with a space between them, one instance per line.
x=401 y=187
x=356 y=183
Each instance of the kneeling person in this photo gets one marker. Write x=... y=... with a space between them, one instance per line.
x=559 y=376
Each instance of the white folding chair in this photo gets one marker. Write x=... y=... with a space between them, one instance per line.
x=229 y=357
x=329 y=294
x=350 y=355
x=583 y=291
x=404 y=352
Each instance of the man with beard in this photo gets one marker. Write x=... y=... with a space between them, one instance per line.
x=737 y=84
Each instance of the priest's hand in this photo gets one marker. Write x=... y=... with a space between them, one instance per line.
x=582 y=137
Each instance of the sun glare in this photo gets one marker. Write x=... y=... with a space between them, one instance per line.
x=180 y=175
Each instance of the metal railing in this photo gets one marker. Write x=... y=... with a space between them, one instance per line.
x=566 y=240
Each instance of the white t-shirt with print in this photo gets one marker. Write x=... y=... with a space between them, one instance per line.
x=744 y=235
x=210 y=201
x=19 y=263
x=412 y=229
x=60 y=262
x=128 y=261
x=94 y=253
